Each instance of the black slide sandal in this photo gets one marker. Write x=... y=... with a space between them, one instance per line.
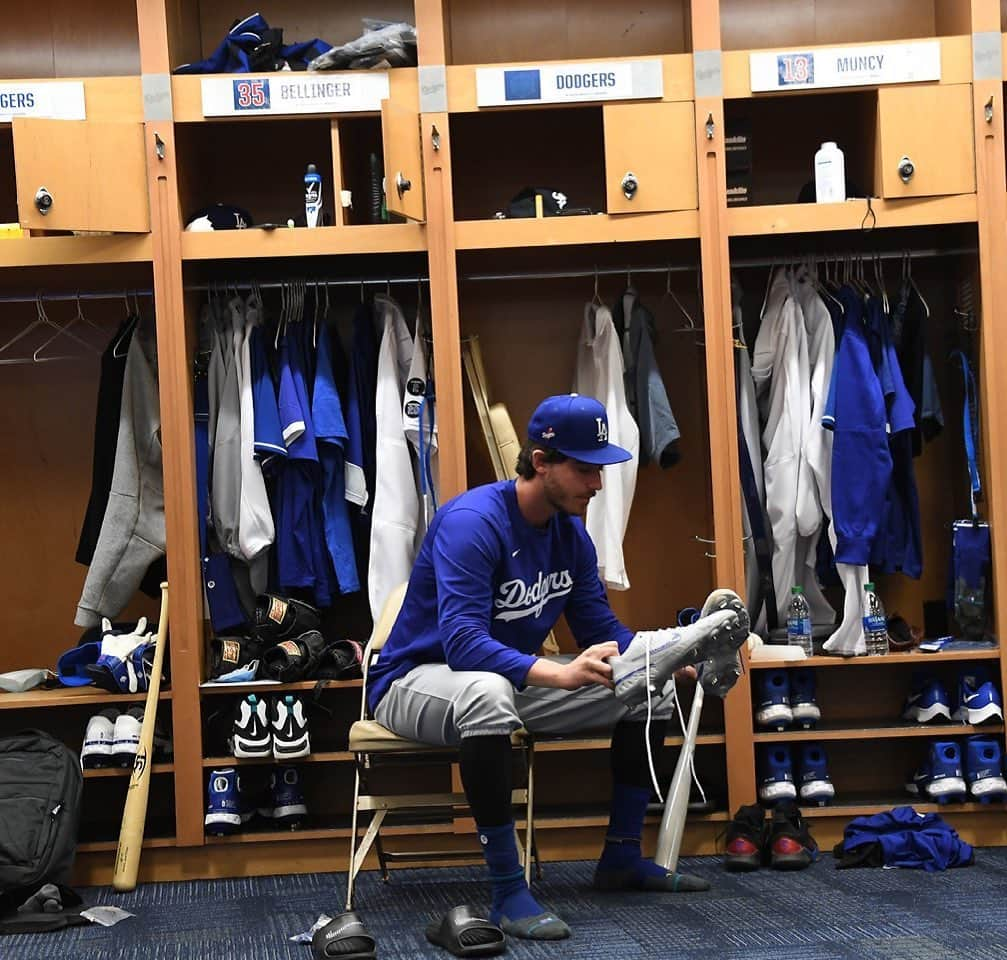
x=344 y=937
x=466 y=934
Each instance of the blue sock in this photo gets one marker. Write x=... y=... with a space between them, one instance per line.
x=625 y=827
x=511 y=897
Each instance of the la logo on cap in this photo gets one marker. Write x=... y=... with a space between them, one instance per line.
x=548 y=433
x=602 y=430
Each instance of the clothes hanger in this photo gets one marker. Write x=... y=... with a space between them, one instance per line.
x=690 y=324
x=132 y=318
x=596 y=299
x=77 y=318
x=912 y=283
x=822 y=288
x=769 y=284
x=281 y=321
x=879 y=279
x=41 y=320
x=314 y=322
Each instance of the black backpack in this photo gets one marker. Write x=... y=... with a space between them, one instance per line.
x=40 y=790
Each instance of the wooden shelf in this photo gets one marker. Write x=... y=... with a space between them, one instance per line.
x=890 y=660
x=337 y=756
x=303 y=242
x=676 y=69
x=54 y=251
x=71 y=697
x=558 y=231
x=545 y=821
x=956 y=67
x=110 y=846
x=271 y=688
x=105 y=772
x=255 y=835
x=784 y=218
x=866 y=806
x=877 y=730
x=602 y=743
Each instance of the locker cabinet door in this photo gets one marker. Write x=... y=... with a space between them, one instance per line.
x=400 y=133
x=86 y=175
x=925 y=142
x=650 y=153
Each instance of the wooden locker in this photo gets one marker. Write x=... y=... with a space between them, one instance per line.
x=656 y=143
x=924 y=142
x=94 y=172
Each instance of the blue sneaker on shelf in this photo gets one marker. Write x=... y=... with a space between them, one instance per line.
x=773 y=709
x=289 y=808
x=978 y=698
x=983 y=766
x=813 y=775
x=802 y=698
x=776 y=774
x=928 y=701
x=223 y=809
x=945 y=782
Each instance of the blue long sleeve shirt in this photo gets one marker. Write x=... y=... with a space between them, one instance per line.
x=487 y=587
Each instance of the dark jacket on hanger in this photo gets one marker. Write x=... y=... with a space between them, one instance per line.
x=645 y=393
x=106 y=432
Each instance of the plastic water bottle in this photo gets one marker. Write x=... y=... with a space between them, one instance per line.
x=799 y=621
x=875 y=623
x=830 y=174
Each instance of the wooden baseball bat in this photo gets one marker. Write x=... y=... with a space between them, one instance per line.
x=676 y=804
x=134 y=814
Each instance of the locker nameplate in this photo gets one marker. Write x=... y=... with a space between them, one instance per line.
x=569 y=82
x=293 y=93
x=845 y=66
x=63 y=100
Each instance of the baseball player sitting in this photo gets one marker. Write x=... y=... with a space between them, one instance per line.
x=499 y=564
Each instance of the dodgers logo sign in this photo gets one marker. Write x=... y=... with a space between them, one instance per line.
x=251 y=93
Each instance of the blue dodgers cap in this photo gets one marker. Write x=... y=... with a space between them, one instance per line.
x=577 y=427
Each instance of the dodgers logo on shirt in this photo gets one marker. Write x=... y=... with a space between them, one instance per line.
x=251 y=93
x=517 y=599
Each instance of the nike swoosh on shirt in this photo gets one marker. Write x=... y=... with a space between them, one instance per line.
x=516 y=552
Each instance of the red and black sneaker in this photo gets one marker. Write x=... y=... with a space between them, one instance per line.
x=746 y=838
x=791 y=846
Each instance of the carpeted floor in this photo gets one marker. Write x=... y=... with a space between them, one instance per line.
x=819 y=914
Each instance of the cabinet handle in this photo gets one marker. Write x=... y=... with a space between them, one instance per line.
x=43 y=200
x=906 y=169
x=709 y=126
x=402 y=184
x=629 y=185
x=988 y=110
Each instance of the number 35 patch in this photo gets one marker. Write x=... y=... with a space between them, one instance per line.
x=251 y=94
x=795 y=69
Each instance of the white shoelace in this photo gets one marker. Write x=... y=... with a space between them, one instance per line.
x=681 y=722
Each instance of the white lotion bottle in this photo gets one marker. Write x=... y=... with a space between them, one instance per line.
x=830 y=174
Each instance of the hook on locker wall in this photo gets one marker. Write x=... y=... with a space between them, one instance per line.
x=706 y=542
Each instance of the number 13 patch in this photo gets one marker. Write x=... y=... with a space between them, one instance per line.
x=251 y=94
x=795 y=69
